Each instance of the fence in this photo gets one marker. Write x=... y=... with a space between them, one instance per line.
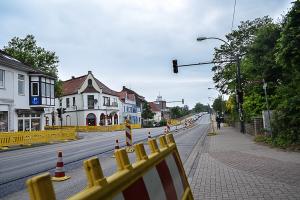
x=159 y=175
x=32 y=137
x=116 y=127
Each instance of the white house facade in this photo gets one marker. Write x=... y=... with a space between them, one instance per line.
x=87 y=102
x=24 y=94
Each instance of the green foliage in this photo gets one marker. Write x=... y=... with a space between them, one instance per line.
x=163 y=122
x=253 y=105
x=270 y=52
x=219 y=105
x=147 y=113
x=177 y=112
x=239 y=41
x=27 y=51
x=199 y=107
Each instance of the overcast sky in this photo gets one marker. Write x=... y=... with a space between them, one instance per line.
x=133 y=42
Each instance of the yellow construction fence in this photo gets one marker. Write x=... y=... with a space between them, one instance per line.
x=26 y=138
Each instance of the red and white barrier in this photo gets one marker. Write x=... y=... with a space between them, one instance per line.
x=164 y=181
x=128 y=134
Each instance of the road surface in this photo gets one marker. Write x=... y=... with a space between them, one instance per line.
x=18 y=165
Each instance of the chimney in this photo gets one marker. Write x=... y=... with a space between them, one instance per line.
x=89 y=72
x=124 y=87
x=73 y=77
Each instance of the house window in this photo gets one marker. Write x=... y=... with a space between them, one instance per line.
x=60 y=102
x=67 y=102
x=90 y=83
x=21 y=84
x=48 y=90
x=43 y=89
x=106 y=101
x=90 y=101
x=52 y=91
x=74 y=101
x=2 y=78
x=34 y=89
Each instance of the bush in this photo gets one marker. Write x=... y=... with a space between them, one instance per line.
x=163 y=122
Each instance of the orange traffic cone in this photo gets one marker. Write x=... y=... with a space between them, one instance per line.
x=59 y=174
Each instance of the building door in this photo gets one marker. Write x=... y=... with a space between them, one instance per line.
x=91 y=119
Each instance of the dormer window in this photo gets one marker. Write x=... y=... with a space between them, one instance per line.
x=90 y=83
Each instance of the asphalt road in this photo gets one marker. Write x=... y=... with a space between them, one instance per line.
x=18 y=165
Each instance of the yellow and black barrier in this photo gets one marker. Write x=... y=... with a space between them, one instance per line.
x=32 y=137
x=159 y=175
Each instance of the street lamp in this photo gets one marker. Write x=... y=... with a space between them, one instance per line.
x=239 y=91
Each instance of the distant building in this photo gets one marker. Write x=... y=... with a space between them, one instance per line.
x=132 y=104
x=162 y=104
x=88 y=102
x=156 y=110
x=24 y=94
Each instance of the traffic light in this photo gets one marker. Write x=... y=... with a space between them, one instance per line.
x=182 y=101
x=175 y=66
x=59 y=112
x=239 y=96
x=63 y=111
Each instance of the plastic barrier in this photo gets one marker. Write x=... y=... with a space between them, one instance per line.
x=159 y=175
x=27 y=138
x=117 y=127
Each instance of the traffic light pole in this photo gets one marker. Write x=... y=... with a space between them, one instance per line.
x=239 y=91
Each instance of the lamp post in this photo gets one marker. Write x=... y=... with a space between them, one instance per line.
x=239 y=91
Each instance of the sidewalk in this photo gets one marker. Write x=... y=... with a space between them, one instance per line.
x=231 y=166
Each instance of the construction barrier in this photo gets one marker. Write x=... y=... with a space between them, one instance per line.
x=117 y=127
x=32 y=137
x=159 y=175
x=128 y=137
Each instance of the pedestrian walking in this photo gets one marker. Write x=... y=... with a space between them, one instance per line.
x=218 y=119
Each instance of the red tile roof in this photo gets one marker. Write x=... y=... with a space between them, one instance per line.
x=72 y=86
x=122 y=96
x=154 y=107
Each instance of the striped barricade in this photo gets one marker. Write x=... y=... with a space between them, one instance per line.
x=159 y=175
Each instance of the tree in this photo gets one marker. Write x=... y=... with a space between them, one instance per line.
x=219 y=105
x=239 y=41
x=27 y=51
x=199 y=107
x=287 y=120
x=147 y=113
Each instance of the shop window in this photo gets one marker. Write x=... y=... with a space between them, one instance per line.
x=35 y=124
x=3 y=121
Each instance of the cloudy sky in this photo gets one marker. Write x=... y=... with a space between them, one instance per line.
x=133 y=42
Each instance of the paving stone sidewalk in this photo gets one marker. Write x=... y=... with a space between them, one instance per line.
x=231 y=166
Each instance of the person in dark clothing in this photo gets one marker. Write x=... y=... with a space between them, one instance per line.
x=218 y=119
